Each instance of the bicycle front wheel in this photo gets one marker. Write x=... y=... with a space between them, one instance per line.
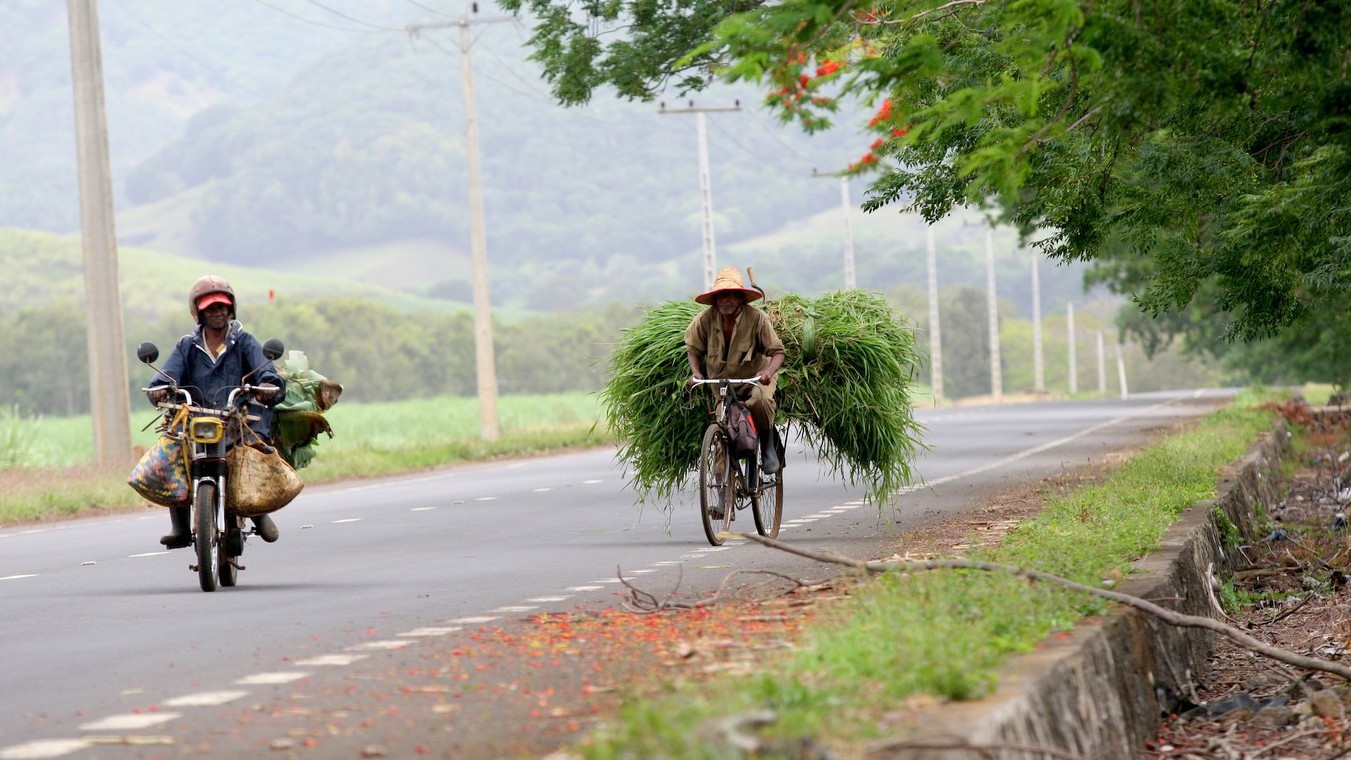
x=715 y=484
x=767 y=505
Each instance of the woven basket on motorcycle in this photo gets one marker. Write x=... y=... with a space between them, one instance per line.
x=845 y=388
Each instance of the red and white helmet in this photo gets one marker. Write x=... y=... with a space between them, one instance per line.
x=208 y=290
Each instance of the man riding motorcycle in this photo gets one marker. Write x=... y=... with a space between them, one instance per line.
x=214 y=359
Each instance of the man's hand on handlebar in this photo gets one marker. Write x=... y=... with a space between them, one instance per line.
x=266 y=392
x=158 y=395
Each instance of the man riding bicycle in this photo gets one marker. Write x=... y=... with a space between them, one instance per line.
x=732 y=339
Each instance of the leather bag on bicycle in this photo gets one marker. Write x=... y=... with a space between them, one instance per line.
x=741 y=427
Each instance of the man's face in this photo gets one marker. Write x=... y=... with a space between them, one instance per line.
x=217 y=316
x=729 y=303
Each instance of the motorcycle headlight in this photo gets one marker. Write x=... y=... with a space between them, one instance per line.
x=206 y=430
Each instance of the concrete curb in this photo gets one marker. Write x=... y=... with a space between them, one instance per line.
x=1098 y=691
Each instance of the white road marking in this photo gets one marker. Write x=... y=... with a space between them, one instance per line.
x=17 y=577
x=542 y=490
x=348 y=520
x=268 y=679
x=130 y=721
x=516 y=608
x=474 y=620
x=431 y=631
x=488 y=498
x=330 y=659
x=584 y=588
x=377 y=645
x=591 y=482
x=547 y=599
x=205 y=698
x=423 y=509
x=40 y=750
x=147 y=554
x=607 y=580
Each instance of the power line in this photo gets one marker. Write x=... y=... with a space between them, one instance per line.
x=433 y=10
x=285 y=12
x=752 y=153
x=185 y=51
x=339 y=13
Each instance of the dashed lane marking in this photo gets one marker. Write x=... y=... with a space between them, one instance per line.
x=379 y=645
x=40 y=750
x=18 y=577
x=130 y=721
x=270 y=679
x=516 y=608
x=584 y=588
x=432 y=631
x=205 y=698
x=548 y=599
x=348 y=520
x=474 y=620
x=330 y=659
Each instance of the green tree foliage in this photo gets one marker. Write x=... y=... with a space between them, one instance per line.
x=1203 y=143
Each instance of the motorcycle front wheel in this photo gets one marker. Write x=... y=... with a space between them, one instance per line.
x=206 y=537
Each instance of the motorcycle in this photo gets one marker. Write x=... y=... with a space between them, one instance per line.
x=209 y=430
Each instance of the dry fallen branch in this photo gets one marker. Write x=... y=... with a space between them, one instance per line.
x=644 y=603
x=1166 y=615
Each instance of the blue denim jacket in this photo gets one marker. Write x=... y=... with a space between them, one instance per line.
x=211 y=380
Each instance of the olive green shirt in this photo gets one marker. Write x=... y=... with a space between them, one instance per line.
x=753 y=342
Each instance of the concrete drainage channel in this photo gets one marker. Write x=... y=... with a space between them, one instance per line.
x=1097 y=692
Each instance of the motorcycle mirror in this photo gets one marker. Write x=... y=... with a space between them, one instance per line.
x=147 y=352
x=273 y=349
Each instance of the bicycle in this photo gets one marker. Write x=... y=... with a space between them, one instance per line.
x=729 y=482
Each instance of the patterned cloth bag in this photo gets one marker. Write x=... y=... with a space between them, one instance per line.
x=161 y=476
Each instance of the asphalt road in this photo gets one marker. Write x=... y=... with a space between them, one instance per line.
x=104 y=634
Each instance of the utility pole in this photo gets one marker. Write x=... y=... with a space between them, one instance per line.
x=1102 y=368
x=1121 y=369
x=1038 y=360
x=705 y=186
x=1074 y=365
x=486 y=364
x=110 y=406
x=935 y=335
x=849 y=281
x=992 y=306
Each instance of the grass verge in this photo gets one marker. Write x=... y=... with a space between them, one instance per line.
x=50 y=475
x=943 y=634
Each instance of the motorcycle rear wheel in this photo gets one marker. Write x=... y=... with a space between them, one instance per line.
x=206 y=537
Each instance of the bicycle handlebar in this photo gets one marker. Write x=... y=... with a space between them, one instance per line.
x=734 y=381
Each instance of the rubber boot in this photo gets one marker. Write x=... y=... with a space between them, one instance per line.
x=264 y=527
x=769 y=454
x=182 y=535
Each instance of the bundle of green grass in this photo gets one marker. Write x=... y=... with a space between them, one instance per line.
x=846 y=388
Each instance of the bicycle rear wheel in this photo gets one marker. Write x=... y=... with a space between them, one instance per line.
x=715 y=484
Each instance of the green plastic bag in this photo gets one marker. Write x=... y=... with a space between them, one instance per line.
x=300 y=415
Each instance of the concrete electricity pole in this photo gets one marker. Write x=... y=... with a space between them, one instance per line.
x=1038 y=359
x=1102 y=369
x=485 y=361
x=110 y=406
x=935 y=335
x=1074 y=364
x=710 y=247
x=992 y=305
